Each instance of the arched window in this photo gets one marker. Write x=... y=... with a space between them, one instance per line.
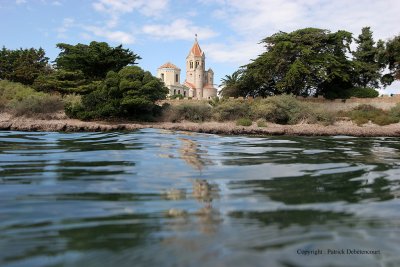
x=197 y=63
x=184 y=93
x=176 y=78
x=179 y=92
x=162 y=76
x=174 y=91
x=191 y=64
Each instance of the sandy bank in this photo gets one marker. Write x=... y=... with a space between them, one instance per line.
x=63 y=124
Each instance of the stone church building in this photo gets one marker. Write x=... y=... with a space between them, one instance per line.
x=199 y=83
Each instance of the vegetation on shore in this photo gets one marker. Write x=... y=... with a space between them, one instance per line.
x=313 y=62
x=97 y=81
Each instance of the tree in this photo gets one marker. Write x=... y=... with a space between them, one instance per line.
x=231 y=85
x=64 y=82
x=94 y=60
x=23 y=65
x=367 y=60
x=305 y=62
x=131 y=92
x=392 y=57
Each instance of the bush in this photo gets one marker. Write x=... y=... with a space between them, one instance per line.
x=261 y=123
x=282 y=109
x=231 y=110
x=130 y=93
x=395 y=111
x=36 y=104
x=244 y=122
x=362 y=92
x=364 y=113
x=196 y=112
x=358 y=92
x=20 y=100
x=177 y=96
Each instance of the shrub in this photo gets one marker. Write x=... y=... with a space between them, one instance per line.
x=364 y=113
x=282 y=109
x=384 y=119
x=20 y=100
x=196 y=112
x=395 y=111
x=177 y=96
x=362 y=92
x=244 y=122
x=36 y=104
x=359 y=92
x=231 y=110
x=261 y=123
x=130 y=93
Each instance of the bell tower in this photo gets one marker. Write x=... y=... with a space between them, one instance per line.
x=195 y=68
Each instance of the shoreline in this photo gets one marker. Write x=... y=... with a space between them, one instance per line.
x=62 y=124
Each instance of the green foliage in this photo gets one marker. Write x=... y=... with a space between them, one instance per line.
x=196 y=112
x=177 y=96
x=261 y=122
x=363 y=92
x=64 y=82
x=21 y=100
x=392 y=58
x=231 y=85
x=34 y=104
x=72 y=105
x=395 y=111
x=368 y=60
x=364 y=113
x=94 y=60
x=283 y=109
x=132 y=92
x=358 y=92
x=23 y=65
x=231 y=110
x=304 y=62
x=286 y=109
x=244 y=122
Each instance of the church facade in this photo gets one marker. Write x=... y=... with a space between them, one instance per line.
x=199 y=82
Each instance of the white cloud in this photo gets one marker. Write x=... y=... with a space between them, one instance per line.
x=116 y=8
x=239 y=53
x=66 y=25
x=113 y=36
x=179 y=29
x=254 y=20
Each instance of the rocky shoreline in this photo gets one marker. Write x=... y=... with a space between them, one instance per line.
x=63 y=124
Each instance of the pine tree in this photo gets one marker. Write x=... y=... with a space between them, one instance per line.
x=367 y=66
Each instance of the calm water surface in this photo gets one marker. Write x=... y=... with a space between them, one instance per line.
x=161 y=198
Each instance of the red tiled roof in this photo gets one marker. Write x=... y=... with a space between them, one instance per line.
x=169 y=65
x=196 y=50
x=191 y=85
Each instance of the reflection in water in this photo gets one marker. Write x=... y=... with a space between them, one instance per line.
x=155 y=198
x=192 y=154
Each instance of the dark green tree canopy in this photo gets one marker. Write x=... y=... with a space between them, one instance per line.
x=392 y=57
x=367 y=60
x=304 y=62
x=23 y=65
x=95 y=59
x=131 y=92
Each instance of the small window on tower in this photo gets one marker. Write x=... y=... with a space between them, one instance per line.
x=162 y=76
x=176 y=78
x=191 y=64
x=197 y=64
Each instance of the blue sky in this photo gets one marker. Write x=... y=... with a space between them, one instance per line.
x=163 y=30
